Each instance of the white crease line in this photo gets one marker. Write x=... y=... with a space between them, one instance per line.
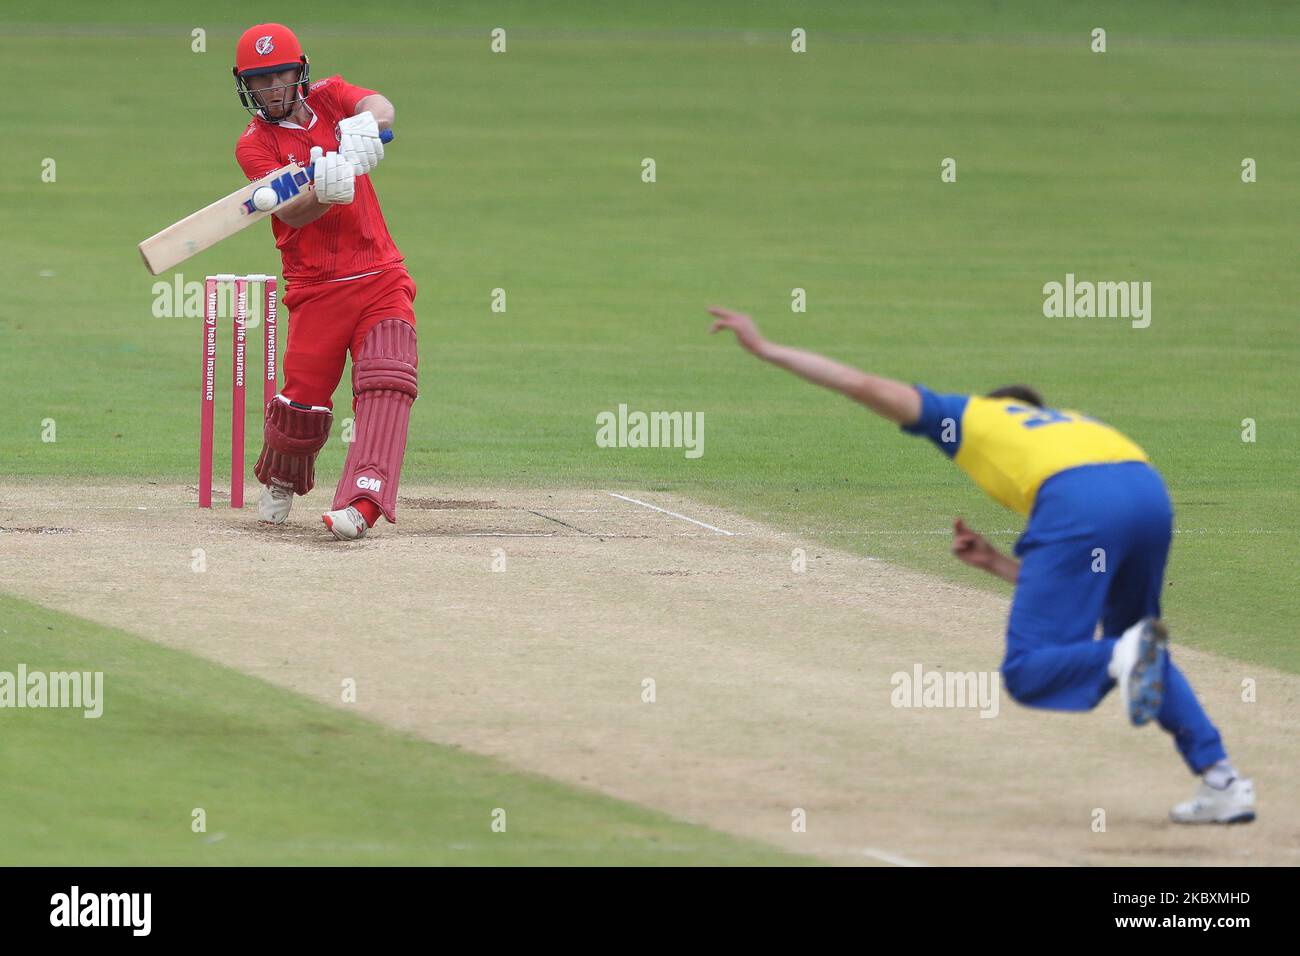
x=672 y=513
x=504 y=534
x=890 y=858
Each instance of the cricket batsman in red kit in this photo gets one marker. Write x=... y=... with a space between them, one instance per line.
x=346 y=288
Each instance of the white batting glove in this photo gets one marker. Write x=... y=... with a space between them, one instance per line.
x=359 y=142
x=335 y=178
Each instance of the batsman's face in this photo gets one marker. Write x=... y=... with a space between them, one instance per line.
x=276 y=92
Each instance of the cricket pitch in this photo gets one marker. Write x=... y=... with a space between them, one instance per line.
x=527 y=624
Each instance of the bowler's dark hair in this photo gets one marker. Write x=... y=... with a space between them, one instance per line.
x=1021 y=393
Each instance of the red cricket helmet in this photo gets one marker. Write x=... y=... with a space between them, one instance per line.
x=268 y=48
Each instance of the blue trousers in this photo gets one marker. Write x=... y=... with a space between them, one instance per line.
x=1118 y=514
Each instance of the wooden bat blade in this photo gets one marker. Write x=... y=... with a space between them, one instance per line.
x=221 y=219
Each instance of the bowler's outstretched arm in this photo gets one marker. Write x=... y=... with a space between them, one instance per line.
x=886 y=397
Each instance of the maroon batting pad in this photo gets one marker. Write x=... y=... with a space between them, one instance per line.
x=294 y=435
x=385 y=384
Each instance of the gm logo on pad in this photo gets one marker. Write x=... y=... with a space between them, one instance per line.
x=369 y=484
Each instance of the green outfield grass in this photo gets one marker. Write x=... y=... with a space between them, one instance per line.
x=775 y=171
x=281 y=779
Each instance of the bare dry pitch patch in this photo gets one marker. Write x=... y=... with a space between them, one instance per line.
x=773 y=687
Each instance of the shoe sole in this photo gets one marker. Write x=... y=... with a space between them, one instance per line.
x=1247 y=816
x=1146 y=683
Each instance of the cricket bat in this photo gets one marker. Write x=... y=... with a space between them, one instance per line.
x=225 y=217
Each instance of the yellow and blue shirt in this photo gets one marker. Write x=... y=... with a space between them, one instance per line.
x=1009 y=448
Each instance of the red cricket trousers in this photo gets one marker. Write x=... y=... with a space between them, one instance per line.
x=327 y=319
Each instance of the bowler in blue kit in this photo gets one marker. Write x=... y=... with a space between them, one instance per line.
x=1091 y=558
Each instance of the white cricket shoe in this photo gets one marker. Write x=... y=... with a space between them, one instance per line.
x=1235 y=803
x=347 y=524
x=275 y=503
x=1138 y=663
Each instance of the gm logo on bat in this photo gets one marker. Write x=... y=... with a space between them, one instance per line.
x=291 y=184
x=286 y=187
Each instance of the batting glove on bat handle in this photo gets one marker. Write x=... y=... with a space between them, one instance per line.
x=385 y=136
x=334 y=177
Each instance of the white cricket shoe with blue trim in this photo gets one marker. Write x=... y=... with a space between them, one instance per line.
x=1234 y=803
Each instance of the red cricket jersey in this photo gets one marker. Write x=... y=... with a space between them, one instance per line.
x=350 y=239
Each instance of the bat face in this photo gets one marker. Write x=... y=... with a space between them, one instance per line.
x=286 y=186
x=221 y=219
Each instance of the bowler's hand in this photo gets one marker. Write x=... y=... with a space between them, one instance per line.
x=747 y=333
x=971 y=547
x=975 y=550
